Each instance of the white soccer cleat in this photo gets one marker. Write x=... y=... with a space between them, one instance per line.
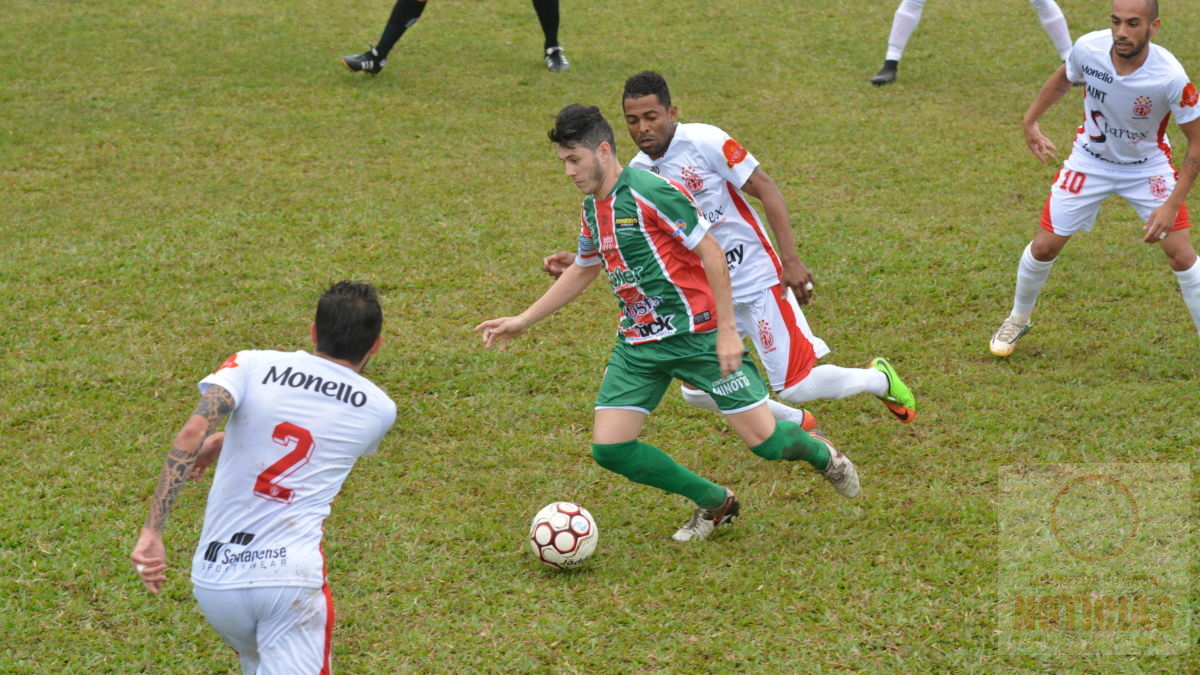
x=841 y=472
x=1004 y=340
x=704 y=521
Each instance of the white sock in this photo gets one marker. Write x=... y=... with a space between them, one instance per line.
x=904 y=22
x=786 y=413
x=699 y=399
x=1189 y=283
x=831 y=382
x=1055 y=25
x=779 y=410
x=1031 y=276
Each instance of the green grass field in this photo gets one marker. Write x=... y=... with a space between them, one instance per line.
x=179 y=180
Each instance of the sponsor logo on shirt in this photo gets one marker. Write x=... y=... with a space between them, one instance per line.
x=627 y=222
x=1158 y=187
x=1131 y=135
x=716 y=215
x=730 y=383
x=623 y=277
x=660 y=326
x=587 y=247
x=692 y=180
x=1098 y=74
x=218 y=553
x=1097 y=119
x=641 y=306
x=702 y=317
x=230 y=362
x=1097 y=94
x=680 y=229
x=735 y=256
x=1142 y=106
x=734 y=152
x=1190 y=97
x=318 y=385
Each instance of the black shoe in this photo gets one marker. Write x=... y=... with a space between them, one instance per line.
x=886 y=74
x=367 y=62
x=556 y=60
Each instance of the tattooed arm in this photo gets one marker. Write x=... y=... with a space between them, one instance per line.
x=149 y=555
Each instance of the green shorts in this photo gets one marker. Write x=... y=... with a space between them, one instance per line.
x=637 y=376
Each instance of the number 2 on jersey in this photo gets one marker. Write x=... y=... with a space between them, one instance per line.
x=267 y=486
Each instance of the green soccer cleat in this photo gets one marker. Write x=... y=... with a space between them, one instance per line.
x=899 y=400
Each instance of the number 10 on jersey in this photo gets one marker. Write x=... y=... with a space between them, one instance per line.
x=286 y=434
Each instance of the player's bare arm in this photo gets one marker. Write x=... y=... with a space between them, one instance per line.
x=1162 y=219
x=149 y=554
x=1055 y=88
x=570 y=285
x=729 y=344
x=795 y=274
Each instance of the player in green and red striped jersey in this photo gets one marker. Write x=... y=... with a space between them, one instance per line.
x=672 y=284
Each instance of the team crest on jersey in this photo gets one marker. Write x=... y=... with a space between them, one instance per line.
x=1190 y=97
x=692 y=180
x=1158 y=187
x=230 y=362
x=1142 y=106
x=734 y=152
x=765 y=336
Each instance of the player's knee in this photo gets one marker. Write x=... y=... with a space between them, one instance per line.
x=1181 y=259
x=1044 y=249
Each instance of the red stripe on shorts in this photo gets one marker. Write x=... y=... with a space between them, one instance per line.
x=801 y=357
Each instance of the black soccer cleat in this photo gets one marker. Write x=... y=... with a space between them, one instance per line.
x=886 y=74
x=369 y=62
x=556 y=60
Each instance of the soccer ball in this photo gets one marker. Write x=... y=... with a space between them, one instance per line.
x=563 y=535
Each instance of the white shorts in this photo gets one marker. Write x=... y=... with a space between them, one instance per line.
x=1075 y=198
x=274 y=629
x=773 y=320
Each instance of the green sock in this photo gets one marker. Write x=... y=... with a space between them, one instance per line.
x=790 y=442
x=643 y=463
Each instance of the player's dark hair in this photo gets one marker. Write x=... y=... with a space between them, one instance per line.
x=648 y=83
x=349 y=320
x=582 y=125
x=1152 y=6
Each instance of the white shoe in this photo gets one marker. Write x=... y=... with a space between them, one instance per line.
x=704 y=521
x=1004 y=340
x=841 y=472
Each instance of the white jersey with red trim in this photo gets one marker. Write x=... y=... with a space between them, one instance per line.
x=714 y=167
x=1125 y=116
x=299 y=423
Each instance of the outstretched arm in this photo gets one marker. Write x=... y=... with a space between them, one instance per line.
x=1162 y=219
x=573 y=281
x=1055 y=88
x=795 y=274
x=149 y=555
